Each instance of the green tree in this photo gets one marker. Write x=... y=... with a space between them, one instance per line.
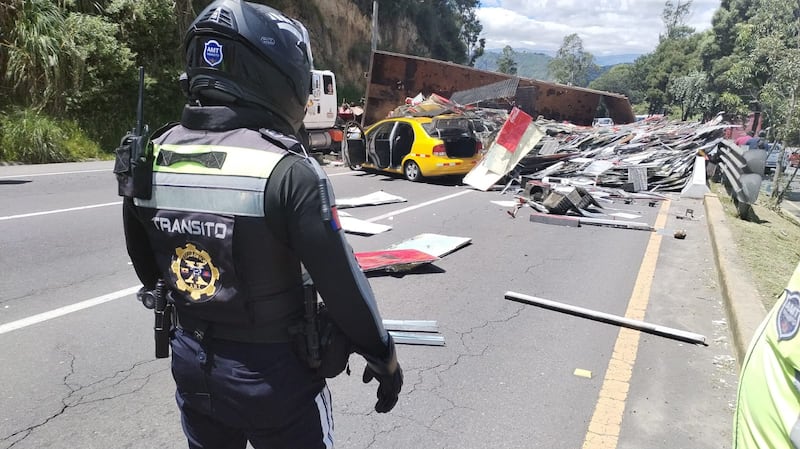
x=477 y=52
x=672 y=59
x=506 y=62
x=102 y=77
x=690 y=92
x=150 y=29
x=34 y=62
x=726 y=57
x=776 y=49
x=470 y=28
x=676 y=56
x=621 y=79
x=572 y=65
x=674 y=17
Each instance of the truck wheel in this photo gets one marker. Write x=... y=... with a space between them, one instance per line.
x=412 y=172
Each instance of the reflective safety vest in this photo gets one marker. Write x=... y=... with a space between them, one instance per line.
x=768 y=403
x=208 y=232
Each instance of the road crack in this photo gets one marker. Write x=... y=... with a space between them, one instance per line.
x=80 y=395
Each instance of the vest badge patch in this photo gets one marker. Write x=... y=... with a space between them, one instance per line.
x=788 y=318
x=195 y=274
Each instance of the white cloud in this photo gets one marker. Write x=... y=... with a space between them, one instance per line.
x=605 y=27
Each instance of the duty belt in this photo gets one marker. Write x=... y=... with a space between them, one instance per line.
x=202 y=329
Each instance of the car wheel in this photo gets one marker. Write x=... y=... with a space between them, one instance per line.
x=411 y=171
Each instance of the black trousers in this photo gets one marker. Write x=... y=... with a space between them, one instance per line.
x=230 y=393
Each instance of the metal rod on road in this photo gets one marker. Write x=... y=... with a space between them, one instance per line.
x=663 y=331
x=411 y=338
x=411 y=325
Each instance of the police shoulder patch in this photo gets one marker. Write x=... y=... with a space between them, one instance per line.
x=788 y=316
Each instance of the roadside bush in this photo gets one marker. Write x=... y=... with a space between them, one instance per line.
x=30 y=137
x=79 y=146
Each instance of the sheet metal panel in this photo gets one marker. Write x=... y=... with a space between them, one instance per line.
x=502 y=89
x=394 y=77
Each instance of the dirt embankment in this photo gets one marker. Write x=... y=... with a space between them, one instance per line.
x=341 y=37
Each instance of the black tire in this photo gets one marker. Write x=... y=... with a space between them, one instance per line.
x=412 y=171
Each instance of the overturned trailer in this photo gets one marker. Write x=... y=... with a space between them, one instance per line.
x=394 y=77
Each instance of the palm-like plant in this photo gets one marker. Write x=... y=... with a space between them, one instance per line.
x=33 y=67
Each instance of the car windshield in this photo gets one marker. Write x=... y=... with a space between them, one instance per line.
x=603 y=121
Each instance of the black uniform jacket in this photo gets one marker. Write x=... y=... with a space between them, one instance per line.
x=239 y=270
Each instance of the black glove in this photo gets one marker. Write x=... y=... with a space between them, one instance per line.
x=390 y=376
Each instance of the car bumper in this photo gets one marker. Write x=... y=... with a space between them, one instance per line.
x=448 y=167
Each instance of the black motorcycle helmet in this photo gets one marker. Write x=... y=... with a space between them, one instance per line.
x=249 y=54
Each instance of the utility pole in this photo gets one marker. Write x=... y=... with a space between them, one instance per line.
x=368 y=75
x=374 y=26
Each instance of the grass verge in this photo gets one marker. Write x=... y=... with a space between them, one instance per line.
x=768 y=244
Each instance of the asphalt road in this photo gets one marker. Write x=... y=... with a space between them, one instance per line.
x=76 y=356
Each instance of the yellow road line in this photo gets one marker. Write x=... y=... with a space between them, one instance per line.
x=606 y=421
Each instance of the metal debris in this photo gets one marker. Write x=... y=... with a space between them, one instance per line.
x=677 y=334
x=393 y=260
x=372 y=199
x=656 y=155
x=414 y=332
x=353 y=225
x=408 y=254
x=434 y=244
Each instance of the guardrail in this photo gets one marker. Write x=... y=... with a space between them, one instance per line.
x=742 y=170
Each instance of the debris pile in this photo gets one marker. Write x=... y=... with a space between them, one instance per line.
x=655 y=155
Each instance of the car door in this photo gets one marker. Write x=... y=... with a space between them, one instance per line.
x=402 y=141
x=379 y=144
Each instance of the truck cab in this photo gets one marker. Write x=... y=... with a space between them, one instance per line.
x=322 y=113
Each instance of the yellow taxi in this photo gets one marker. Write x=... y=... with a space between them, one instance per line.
x=415 y=147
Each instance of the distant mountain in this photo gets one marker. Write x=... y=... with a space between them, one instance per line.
x=533 y=63
x=611 y=60
x=530 y=64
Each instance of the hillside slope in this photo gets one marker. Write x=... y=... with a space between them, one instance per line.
x=341 y=38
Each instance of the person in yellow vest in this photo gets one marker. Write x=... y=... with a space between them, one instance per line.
x=768 y=401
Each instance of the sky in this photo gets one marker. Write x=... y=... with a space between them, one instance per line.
x=606 y=27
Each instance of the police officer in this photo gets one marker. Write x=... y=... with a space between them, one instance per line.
x=768 y=402
x=237 y=211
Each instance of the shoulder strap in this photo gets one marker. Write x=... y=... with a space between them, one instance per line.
x=281 y=140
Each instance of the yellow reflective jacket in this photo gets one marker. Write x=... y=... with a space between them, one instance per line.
x=768 y=403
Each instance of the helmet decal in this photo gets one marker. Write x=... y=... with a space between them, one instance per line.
x=267 y=40
x=212 y=52
x=194 y=272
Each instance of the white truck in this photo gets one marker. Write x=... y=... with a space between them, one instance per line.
x=321 y=121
